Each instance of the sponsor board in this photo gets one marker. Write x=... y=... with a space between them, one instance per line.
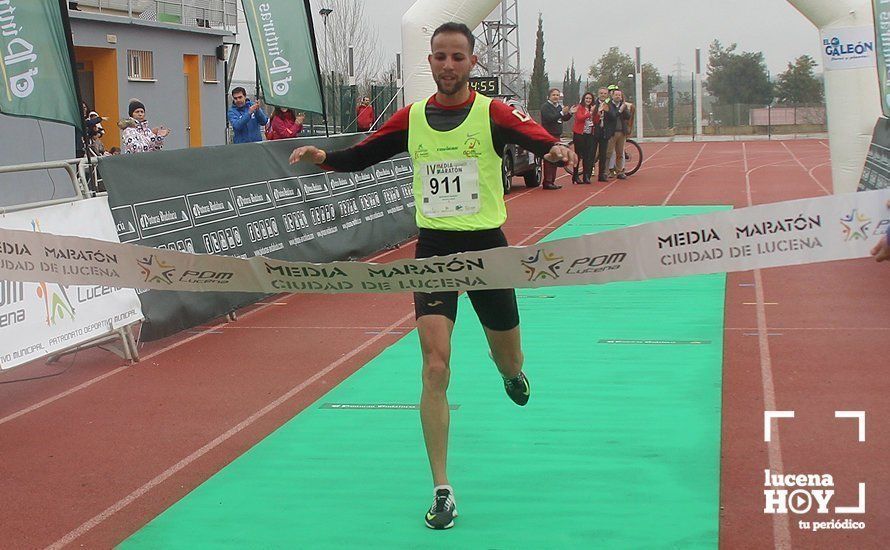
x=848 y=48
x=40 y=317
x=876 y=173
x=264 y=209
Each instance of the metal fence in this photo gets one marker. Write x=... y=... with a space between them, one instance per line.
x=342 y=104
x=678 y=118
x=219 y=14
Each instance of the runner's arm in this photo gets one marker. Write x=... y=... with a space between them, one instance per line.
x=390 y=140
x=509 y=125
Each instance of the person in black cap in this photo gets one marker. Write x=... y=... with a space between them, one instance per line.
x=136 y=135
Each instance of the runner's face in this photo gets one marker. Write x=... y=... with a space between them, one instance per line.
x=451 y=62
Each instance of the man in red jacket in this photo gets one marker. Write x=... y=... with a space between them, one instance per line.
x=364 y=115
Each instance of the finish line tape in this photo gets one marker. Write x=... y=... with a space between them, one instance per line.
x=837 y=227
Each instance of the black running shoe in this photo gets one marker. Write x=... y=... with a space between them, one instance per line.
x=442 y=513
x=518 y=389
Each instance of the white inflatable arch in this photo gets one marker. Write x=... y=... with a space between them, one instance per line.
x=852 y=97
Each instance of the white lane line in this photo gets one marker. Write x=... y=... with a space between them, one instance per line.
x=683 y=175
x=166 y=474
x=781 y=527
x=809 y=173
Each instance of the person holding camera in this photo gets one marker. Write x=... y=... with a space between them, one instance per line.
x=247 y=118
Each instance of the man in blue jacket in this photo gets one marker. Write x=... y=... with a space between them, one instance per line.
x=246 y=118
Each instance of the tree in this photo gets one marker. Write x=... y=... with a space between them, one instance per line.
x=616 y=67
x=571 y=86
x=798 y=84
x=738 y=77
x=540 y=81
x=348 y=26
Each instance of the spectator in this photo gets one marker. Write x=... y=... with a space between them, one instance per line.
x=114 y=151
x=604 y=130
x=364 y=115
x=622 y=128
x=284 y=124
x=553 y=114
x=586 y=118
x=136 y=135
x=98 y=148
x=93 y=124
x=247 y=118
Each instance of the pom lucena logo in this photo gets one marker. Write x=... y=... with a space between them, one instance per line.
x=542 y=265
x=855 y=226
x=155 y=270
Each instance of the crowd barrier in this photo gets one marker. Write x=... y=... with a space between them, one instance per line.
x=44 y=317
x=246 y=201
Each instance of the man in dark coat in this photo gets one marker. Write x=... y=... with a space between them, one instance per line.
x=552 y=116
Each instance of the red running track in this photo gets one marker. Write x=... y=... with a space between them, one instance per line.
x=93 y=449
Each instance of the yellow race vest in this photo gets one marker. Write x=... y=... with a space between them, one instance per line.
x=457 y=174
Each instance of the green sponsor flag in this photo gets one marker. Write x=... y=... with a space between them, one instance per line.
x=35 y=62
x=882 y=36
x=283 y=42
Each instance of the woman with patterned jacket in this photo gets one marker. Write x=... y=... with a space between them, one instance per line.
x=136 y=135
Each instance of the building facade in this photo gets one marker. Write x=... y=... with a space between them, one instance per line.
x=169 y=54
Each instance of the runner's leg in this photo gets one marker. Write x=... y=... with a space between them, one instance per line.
x=435 y=345
x=506 y=350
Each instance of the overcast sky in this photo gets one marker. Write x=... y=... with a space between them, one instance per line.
x=667 y=31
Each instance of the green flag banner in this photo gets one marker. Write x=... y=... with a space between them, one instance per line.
x=284 y=47
x=35 y=62
x=882 y=35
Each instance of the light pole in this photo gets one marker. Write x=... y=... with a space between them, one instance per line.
x=324 y=13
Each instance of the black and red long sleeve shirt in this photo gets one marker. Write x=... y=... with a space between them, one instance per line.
x=508 y=125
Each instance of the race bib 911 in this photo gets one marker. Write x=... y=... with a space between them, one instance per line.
x=450 y=188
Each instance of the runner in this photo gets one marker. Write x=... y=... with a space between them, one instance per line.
x=456 y=139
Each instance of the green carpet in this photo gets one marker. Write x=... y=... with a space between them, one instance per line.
x=618 y=447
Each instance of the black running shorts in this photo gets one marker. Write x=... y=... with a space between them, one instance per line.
x=496 y=309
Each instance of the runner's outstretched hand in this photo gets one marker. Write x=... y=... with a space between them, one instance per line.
x=561 y=155
x=308 y=153
x=881 y=251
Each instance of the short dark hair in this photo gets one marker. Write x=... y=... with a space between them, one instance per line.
x=239 y=90
x=453 y=26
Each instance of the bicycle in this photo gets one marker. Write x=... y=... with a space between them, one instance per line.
x=633 y=157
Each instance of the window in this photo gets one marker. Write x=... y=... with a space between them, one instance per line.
x=140 y=65
x=210 y=64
